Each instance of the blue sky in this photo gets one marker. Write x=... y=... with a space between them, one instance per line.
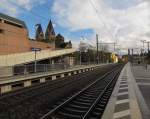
x=42 y=13
x=124 y=21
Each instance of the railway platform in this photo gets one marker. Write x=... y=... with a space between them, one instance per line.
x=131 y=96
x=8 y=84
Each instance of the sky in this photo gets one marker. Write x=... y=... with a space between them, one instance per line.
x=123 y=21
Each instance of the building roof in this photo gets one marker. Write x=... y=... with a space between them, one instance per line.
x=12 y=19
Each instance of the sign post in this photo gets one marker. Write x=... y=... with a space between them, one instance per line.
x=35 y=62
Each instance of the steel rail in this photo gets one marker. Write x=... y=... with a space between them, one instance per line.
x=11 y=101
x=53 y=111
x=100 y=96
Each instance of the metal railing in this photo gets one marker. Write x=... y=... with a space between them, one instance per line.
x=21 y=70
x=28 y=69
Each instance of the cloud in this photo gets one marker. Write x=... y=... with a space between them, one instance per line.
x=127 y=21
x=16 y=7
x=128 y=24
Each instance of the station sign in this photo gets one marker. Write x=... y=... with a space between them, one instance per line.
x=36 y=49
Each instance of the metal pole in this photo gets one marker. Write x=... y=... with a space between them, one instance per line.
x=80 y=57
x=148 y=46
x=88 y=54
x=35 y=63
x=114 y=47
x=143 y=50
x=95 y=57
x=102 y=55
x=132 y=52
x=97 y=49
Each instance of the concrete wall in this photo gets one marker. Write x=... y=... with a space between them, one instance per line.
x=6 y=71
x=21 y=58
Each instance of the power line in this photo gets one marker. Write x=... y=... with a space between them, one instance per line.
x=100 y=18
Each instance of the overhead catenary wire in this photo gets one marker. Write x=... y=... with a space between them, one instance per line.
x=100 y=19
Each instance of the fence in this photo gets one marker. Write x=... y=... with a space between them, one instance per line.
x=39 y=68
x=28 y=69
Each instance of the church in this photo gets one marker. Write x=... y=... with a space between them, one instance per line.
x=50 y=37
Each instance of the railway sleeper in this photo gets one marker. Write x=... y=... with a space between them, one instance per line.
x=101 y=105
x=94 y=91
x=103 y=102
x=81 y=103
x=78 y=106
x=89 y=95
x=99 y=109
x=68 y=116
x=96 y=114
x=85 y=100
x=74 y=110
x=97 y=89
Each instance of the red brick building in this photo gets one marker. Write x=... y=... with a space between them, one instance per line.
x=14 y=37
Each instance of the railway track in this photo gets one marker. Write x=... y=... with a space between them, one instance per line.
x=33 y=102
x=89 y=103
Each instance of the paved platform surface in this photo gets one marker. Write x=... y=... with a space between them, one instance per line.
x=131 y=96
x=142 y=78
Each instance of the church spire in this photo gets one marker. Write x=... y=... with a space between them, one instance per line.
x=39 y=33
x=49 y=31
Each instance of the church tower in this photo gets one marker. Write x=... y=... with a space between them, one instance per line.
x=50 y=33
x=39 y=33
